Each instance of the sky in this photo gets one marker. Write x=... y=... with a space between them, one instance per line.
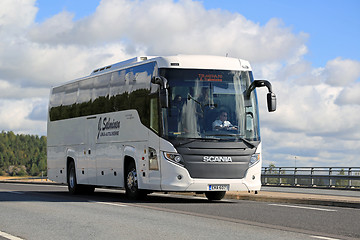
x=308 y=50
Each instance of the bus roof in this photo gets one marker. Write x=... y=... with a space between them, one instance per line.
x=182 y=61
x=177 y=61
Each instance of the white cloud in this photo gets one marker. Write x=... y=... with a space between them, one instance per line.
x=55 y=27
x=14 y=91
x=44 y=65
x=14 y=116
x=315 y=121
x=16 y=16
x=39 y=110
x=163 y=27
x=341 y=72
x=349 y=95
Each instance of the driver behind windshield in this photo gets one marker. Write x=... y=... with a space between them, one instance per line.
x=222 y=123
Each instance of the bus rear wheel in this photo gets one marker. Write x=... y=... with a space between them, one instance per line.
x=131 y=183
x=213 y=196
x=72 y=183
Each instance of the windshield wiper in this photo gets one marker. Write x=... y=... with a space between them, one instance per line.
x=190 y=97
x=210 y=105
x=196 y=139
x=237 y=136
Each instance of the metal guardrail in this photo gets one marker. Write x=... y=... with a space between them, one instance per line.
x=328 y=177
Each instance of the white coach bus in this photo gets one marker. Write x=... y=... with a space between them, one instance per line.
x=178 y=123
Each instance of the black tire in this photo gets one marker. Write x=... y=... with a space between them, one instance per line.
x=214 y=196
x=75 y=188
x=131 y=183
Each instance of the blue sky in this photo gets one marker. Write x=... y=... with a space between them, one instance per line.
x=333 y=26
x=309 y=51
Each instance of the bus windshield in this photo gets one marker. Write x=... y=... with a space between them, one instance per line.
x=210 y=105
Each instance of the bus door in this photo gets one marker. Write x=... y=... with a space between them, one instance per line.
x=90 y=143
x=153 y=168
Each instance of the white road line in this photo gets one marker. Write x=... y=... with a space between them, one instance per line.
x=110 y=190
x=7 y=191
x=325 y=238
x=16 y=192
x=310 y=208
x=107 y=203
x=8 y=236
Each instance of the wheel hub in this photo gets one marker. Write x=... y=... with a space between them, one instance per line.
x=72 y=180
x=132 y=180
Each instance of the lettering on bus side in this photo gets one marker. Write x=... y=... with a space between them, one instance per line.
x=108 y=127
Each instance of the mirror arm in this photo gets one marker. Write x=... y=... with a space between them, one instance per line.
x=255 y=84
x=163 y=82
x=271 y=97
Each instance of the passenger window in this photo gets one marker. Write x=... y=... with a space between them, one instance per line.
x=85 y=91
x=70 y=95
x=101 y=86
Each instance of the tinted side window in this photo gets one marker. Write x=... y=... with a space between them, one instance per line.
x=120 y=90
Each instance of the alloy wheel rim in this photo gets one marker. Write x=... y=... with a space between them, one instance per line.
x=132 y=180
x=72 y=179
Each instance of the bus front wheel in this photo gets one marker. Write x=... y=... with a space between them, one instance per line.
x=213 y=196
x=131 y=183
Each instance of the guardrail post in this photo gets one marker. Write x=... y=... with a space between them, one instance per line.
x=280 y=176
x=312 y=176
x=350 y=181
x=330 y=180
x=266 y=180
x=295 y=178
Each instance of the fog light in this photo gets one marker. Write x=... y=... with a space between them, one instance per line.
x=253 y=177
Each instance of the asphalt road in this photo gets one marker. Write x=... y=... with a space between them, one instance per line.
x=48 y=212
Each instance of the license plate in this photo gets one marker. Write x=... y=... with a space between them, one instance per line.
x=219 y=187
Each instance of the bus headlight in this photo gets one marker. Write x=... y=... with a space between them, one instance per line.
x=255 y=158
x=174 y=157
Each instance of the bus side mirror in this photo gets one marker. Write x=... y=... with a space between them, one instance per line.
x=164 y=98
x=271 y=102
x=271 y=97
x=164 y=90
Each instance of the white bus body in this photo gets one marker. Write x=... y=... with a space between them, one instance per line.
x=122 y=127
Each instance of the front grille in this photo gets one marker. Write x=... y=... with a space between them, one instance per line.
x=219 y=153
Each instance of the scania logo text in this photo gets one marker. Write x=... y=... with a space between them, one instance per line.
x=216 y=159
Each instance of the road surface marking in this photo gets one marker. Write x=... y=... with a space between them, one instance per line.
x=16 y=192
x=325 y=238
x=113 y=204
x=311 y=208
x=8 y=236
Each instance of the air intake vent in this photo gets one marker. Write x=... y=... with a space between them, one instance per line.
x=118 y=65
x=99 y=70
